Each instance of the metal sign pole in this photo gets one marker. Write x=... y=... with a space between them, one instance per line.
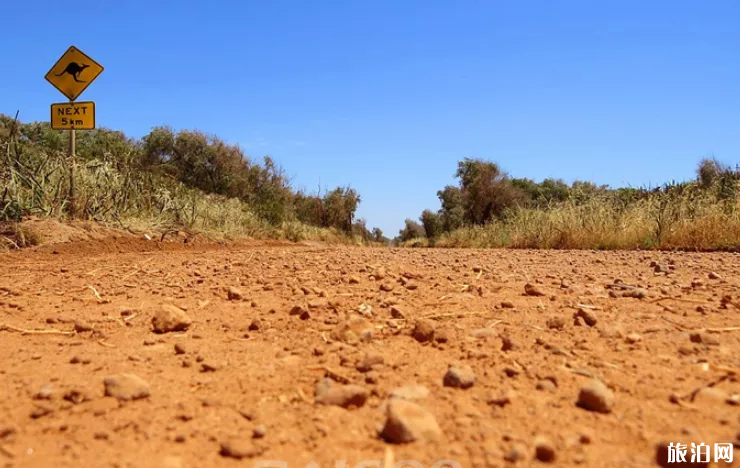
x=72 y=150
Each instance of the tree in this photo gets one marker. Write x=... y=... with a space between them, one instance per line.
x=452 y=213
x=432 y=224
x=486 y=190
x=378 y=235
x=411 y=230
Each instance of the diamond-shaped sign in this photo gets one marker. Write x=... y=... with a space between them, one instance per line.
x=73 y=73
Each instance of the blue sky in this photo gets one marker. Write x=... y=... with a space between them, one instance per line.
x=387 y=95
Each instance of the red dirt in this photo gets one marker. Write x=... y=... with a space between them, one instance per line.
x=268 y=377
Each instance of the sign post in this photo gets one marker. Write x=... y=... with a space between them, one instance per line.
x=71 y=75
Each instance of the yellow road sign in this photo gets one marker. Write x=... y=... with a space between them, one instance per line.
x=73 y=72
x=73 y=116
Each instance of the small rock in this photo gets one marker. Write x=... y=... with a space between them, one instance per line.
x=508 y=344
x=354 y=280
x=546 y=385
x=534 y=290
x=298 y=310
x=637 y=293
x=169 y=318
x=544 y=449
x=238 y=449
x=259 y=432
x=423 y=330
x=595 y=396
x=235 y=294
x=370 y=360
x=255 y=325
x=588 y=316
x=180 y=348
x=40 y=411
x=515 y=454
x=501 y=399
x=126 y=387
x=354 y=329
x=327 y=393
x=632 y=338
x=397 y=313
x=408 y=422
x=45 y=393
x=703 y=338
x=459 y=376
x=714 y=276
x=444 y=335
x=556 y=323
x=387 y=287
x=380 y=273
x=208 y=367
x=82 y=326
x=507 y=304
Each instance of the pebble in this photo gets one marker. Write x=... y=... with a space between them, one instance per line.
x=180 y=348
x=507 y=304
x=713 y=275
x=345 y=396
x=637 y=293
x=40 y=411
x=208 y=367
x=255 y=325
x=45 y=393
x=82 y=326
x=544 y=449
x=169 y=318
x=595 y=396
x=556 y=323
x=459 y=376
x=508 y=344
x=371 y=359
x=408 y=422
x=397 y=313
x=354 y=329
x=546 y=385
x=423 y=330
x=534 y=290
x=235 y=294
x=126 y=387
x=298 y=310
x=704 y=338
x=633 y=338
x=238 y=449
x=259 y=432
x=588 y=316
x=514 y=455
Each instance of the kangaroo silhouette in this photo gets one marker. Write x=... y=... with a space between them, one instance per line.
x=74 y=69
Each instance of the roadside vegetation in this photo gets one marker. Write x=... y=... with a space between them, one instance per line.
x=166 y=181
x=488 y=208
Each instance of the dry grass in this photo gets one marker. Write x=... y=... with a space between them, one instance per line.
x=113 y=195
x=694 y=220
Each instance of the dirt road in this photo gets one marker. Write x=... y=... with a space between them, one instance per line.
x=300 y=354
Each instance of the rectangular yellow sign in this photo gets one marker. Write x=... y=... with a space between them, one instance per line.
x=73 y=116
x=73 y=73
